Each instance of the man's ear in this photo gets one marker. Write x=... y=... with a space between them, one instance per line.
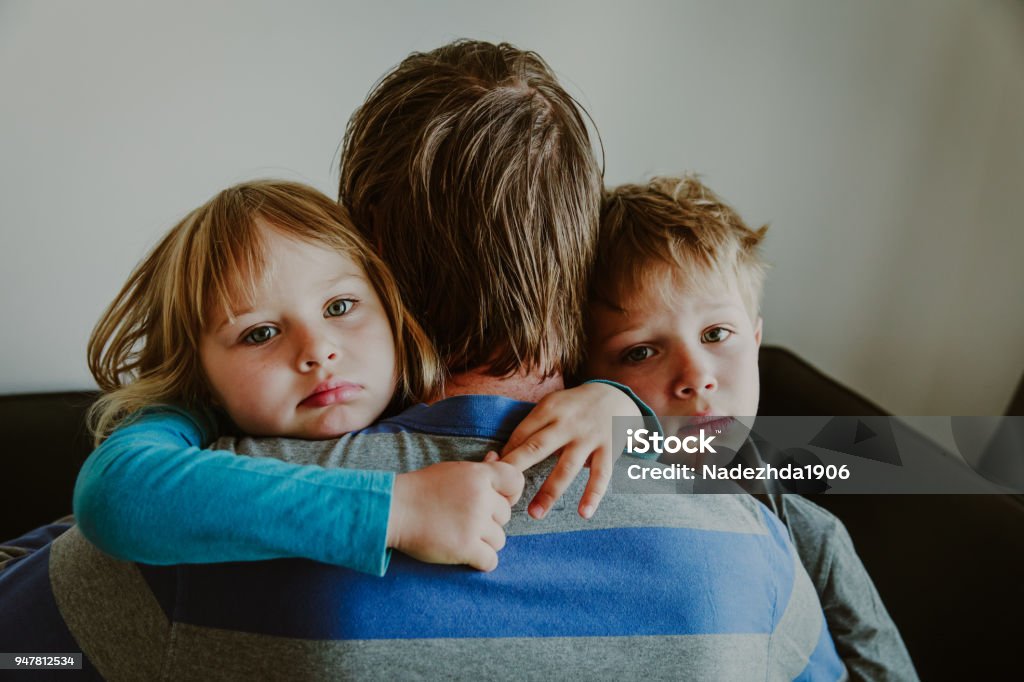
x=757 y=330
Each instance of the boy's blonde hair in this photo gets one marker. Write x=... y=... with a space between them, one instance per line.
x=681 y=225
x=471 y=169
x=144 y=350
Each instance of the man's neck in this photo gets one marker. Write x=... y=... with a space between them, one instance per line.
x=527 y=387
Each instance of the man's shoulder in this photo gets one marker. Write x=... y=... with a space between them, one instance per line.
x=458 y=428
x=480 y=416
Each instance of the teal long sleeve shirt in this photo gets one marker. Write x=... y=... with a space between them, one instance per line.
x=150 y=493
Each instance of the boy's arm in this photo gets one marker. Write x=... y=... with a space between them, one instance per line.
x=865 y=636
x=577 y=425
x=150 y=493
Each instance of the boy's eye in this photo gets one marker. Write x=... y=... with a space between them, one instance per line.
x=715 y=335
x=339 y=307
x=260 y=335
x=639 y=354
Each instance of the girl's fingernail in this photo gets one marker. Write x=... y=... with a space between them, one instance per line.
x=536 y=511
x=587 y=511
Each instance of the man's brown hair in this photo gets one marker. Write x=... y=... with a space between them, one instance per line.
x=470 y=168
x=681 y=225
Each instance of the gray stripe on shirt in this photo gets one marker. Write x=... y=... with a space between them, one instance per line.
x=109 y=609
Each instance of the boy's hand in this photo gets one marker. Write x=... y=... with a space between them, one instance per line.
x=578 y=423
x=454 y=512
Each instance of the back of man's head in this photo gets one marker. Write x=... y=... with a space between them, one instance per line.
x=471 y=169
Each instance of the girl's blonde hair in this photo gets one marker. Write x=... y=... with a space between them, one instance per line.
x=144 y=351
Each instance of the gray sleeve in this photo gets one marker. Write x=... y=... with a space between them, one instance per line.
x=865 y=636
x=404 y=451
x=325 y=453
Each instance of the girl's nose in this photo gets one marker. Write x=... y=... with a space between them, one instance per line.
x=315 y=350
x=312 y=361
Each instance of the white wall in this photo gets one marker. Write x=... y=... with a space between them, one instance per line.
x=882 y=139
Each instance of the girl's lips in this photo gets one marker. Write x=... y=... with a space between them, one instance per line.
x=332 y=392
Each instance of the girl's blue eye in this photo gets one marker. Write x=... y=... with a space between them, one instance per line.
x=715 y=335
x=339 y=307
x=639 y=354
x=260 y=335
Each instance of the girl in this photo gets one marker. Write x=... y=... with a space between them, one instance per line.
x=264 y=312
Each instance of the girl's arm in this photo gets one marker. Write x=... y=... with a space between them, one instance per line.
x=151 y=494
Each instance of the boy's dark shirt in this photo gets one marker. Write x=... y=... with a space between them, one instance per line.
x=864 y=634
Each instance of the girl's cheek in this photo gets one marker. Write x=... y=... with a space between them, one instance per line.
x=253 y=381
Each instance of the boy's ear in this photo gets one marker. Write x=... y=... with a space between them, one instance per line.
x=757 y=330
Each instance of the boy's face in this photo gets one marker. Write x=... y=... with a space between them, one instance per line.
x=691 y=353
x=313 y=357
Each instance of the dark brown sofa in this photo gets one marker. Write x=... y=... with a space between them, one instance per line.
x=950 y=568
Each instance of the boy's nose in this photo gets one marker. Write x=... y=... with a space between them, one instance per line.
x=684 y=390
x=694 y=378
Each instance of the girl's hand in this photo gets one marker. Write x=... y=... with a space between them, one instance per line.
x=577 y=424
x=454 y=512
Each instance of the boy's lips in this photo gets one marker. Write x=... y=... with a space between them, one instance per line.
x=707 y=423
x=701 y=419
x=331 y=392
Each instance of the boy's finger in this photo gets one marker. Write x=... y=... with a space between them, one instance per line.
x=507 y=480
x=597 y=485
x=569 y=465
x=531 y=424
x=536 y=448
x=491 y=456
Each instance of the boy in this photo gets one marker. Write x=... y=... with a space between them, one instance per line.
x=674 y=314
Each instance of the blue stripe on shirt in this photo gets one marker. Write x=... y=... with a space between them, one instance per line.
x=479 y=416
x=594 y=577
x=824 y=663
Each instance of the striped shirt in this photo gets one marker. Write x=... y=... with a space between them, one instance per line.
x=659 y=585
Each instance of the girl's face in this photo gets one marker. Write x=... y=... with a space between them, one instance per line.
x=314 y=357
